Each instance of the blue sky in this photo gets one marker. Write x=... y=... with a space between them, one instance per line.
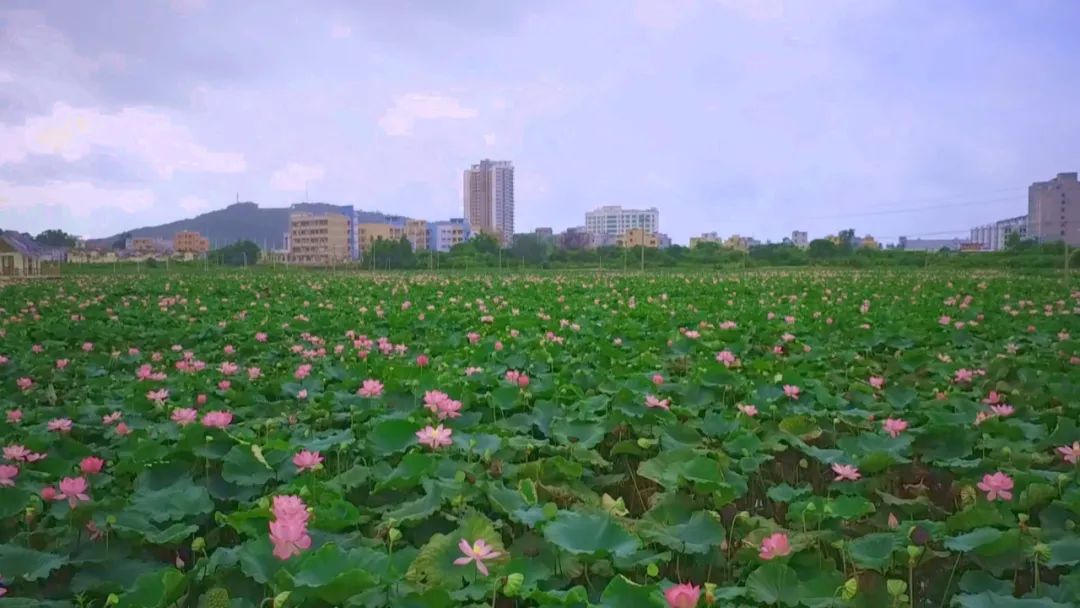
x=739 y=116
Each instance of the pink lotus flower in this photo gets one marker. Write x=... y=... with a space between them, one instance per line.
x=998 y=485
x=774 y=545
x=1071 y=454
x=963 y=375
x=254 y=373
x=473 y=337
x=993 y=398
x=158 y=396
x=200 y=400
x=478 y=552
x=224 y=385
x=303 y=371
x=895 y=426
x=307 y=461
x=60 y=425
x=302 y=394
x=37 y=348
x=184 y=416
x=289 y=507
x=498 y=345
x=435 y=437
x=422 y=360
x=846 y=472
x=122 y=429
x=726 y=357
x=14 y=416
x=877 y=382
x=289 y=537
x=16 y=453
x=229 y=368
x=473 y=370
x=1003 y=409
x=73 y=490
x=944 y=320
x=62 y=363
x=654 y=401
x=749 y=410
x=8 y=472
x=371 y=389
x=48 y=493
x=692 y=334
x=791 y=390
x=682 y=596
x=91 y=465
x=229 y=349
x=110 y=419
x=260 y=336
x=24 y=384
x=894 y=523
x=657 y=379
x=217 y=419
x=518 y=378
x=87 y=347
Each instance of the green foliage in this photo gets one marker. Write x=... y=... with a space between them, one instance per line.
x=56 y=238
x=242 y=253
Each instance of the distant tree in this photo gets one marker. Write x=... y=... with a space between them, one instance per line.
x=822 y=249
x=1012 y=240
x=530 y=248
x=56 y=238
x=847 y=239
x=237 y=254
x=484 y=243
x=393 y=254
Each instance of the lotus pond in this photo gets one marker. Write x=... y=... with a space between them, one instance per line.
x=874 y=439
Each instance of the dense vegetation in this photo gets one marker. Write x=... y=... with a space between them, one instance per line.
x=798 y=438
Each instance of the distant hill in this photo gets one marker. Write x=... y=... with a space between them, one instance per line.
x=237 y=222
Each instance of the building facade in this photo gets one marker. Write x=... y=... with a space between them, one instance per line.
x=930 y=244
x=188 y=241
x=1054 y=209
x=800 y=239
x=992 y=237
x=319 y=239
x=488 y=192
x=638 y=237
x=615 y=220
x=368 y=234
x=706 y=237
x=416 y=231
x=444 y=235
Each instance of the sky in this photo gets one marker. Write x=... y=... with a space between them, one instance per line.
x=756 y=117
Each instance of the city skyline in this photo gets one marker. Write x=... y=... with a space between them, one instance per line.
x=889 y=118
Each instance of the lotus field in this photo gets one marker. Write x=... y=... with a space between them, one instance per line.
x=874 y=439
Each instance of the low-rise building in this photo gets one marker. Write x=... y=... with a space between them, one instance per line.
x=368 y=234
x=706 y=237
x=993 y=237
x=930 y=244
x=188 y=241
x=20 y=255
x=800 y=239
x=444 y=235
x=416 y=231
x=319 y=239
x=638 y=237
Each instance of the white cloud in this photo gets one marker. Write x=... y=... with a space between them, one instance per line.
x=340 y=30
x=80 y=199
x=194 y=204
x=6 y=76
x=663 y=14
x=149 y=136
x=490 y=139
x=758 y=10
x=295 y=177
x=407 y=109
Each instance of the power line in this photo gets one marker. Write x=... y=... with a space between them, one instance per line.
x=981 y=202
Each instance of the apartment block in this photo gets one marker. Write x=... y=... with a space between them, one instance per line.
x=188 y=241
x=319 y=239
x=706 y=237
x=416 y=231
x=368 y=234
x=800 y=239
x=488 y=195
x=992 y=237
x=1054 y=209
x=615 y=220
x=444 y=235
x=638 y=237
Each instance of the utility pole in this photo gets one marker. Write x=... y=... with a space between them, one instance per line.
x=643 y=258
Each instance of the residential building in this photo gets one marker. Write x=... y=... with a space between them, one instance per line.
x=992 y=237
x=416 y=231
x=663 y=240
x=545 y=234
x=615 y=220
x=444 y=235
x=706 y=237
x=865 y=242
x=190 y=242
x=575 y=237
x=489 y=198
x=145 y=244
x=346 y=211
x=1054 y=209
x=740 y=243
x=368 y=234
x=638 y=237
x=800 y=239
x=319 y=239
x=20 y=255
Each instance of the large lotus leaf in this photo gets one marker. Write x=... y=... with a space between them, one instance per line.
x=774 y=583
x=159 y=588
x=622 y=593
x=20 y=562
x=698 y=534
x=1064 y=551
x=332 y=573
x=242 y=467
x=592 y=534
x=434 y=565
x=178 y=500
x=393 y=435
x=988 y=599
x=873 y=551
x=973 y=540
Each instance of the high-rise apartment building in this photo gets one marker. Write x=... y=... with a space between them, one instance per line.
x=615 y=221
x=319 y=239
x=489 y=198
x=1054 y=209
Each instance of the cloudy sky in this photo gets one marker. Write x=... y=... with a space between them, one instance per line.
x=755 y=117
